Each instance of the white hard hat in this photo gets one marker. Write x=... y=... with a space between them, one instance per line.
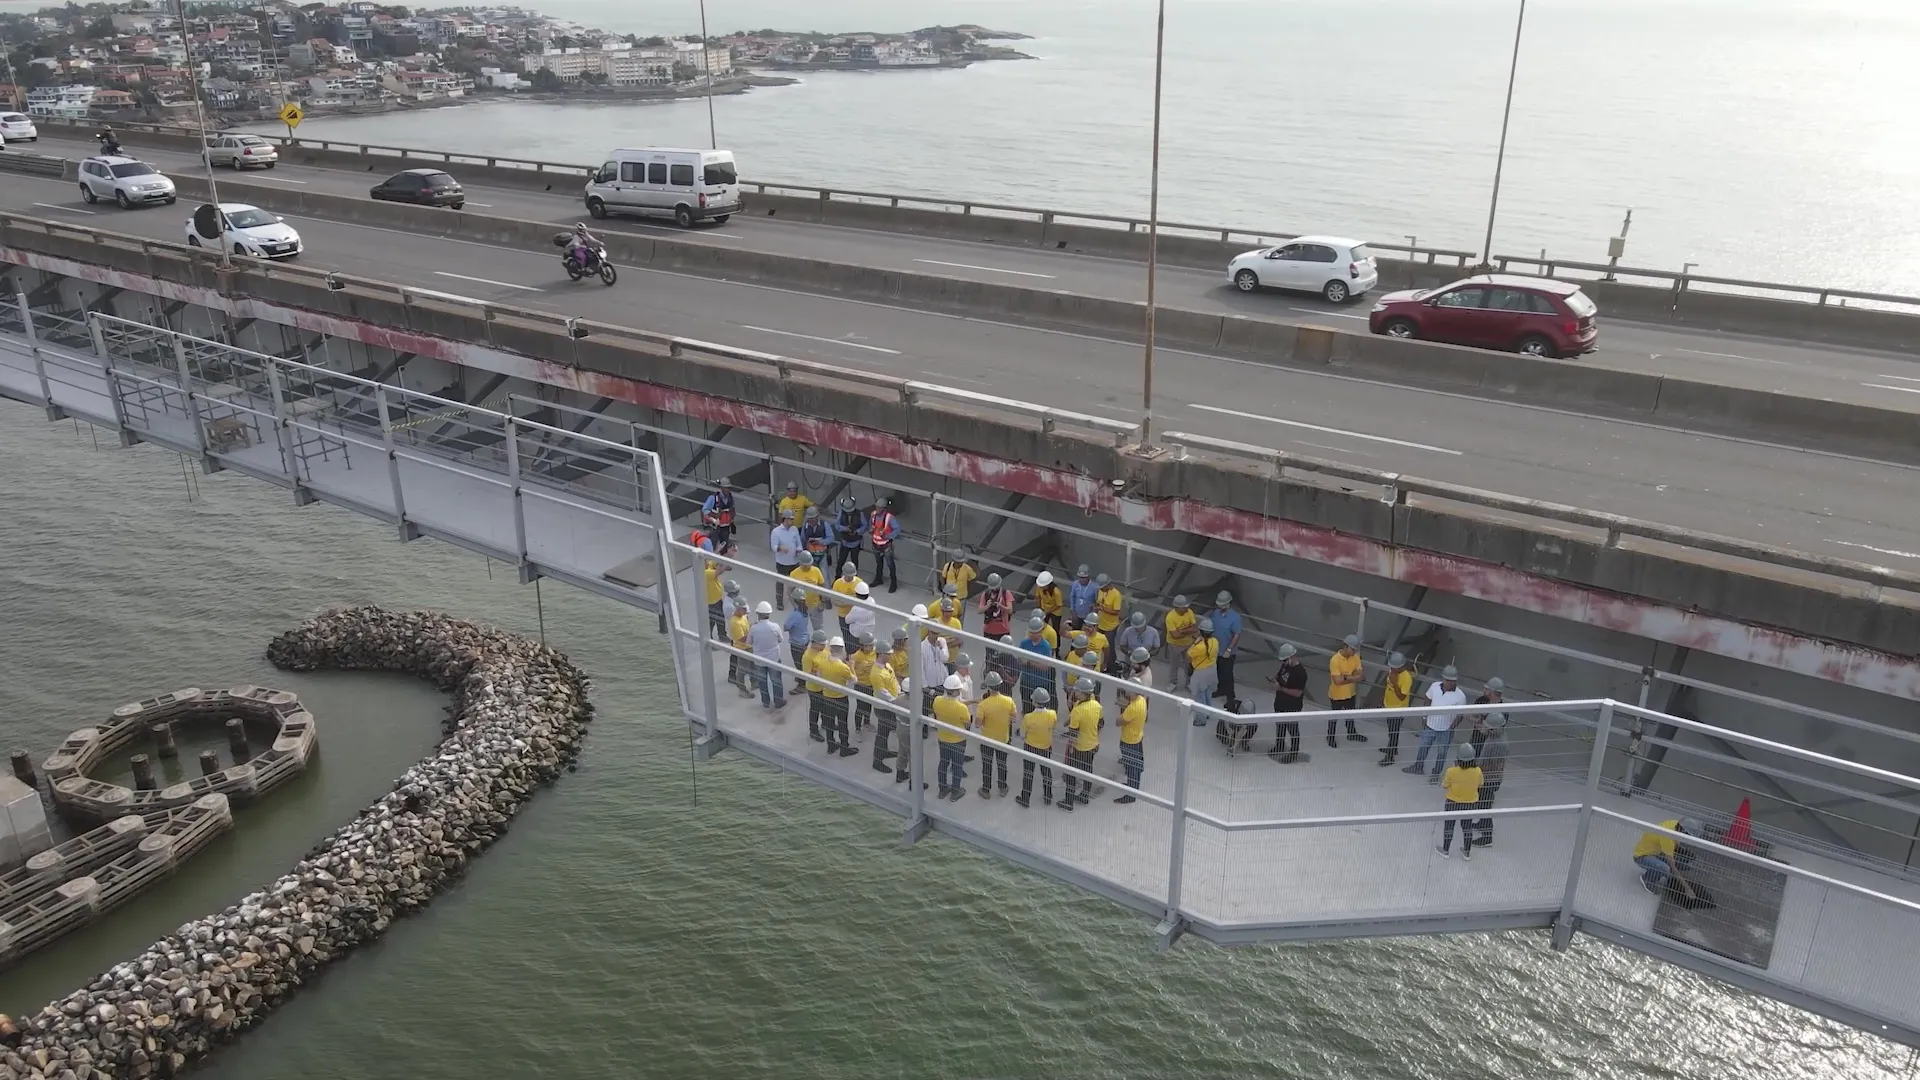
x=837 y=643
x=953 y=682
x=765 y=608
x=1045 y=579
x=919 y=611
x=861 y=589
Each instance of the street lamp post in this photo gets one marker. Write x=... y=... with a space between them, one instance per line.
x=1153 y=228
x=200 y=120
x=1500 y=161
x=706 y=66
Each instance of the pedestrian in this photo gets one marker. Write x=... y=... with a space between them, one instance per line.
x=888 y=688
x=1490 y=743
x=996 y=609
x=1134 y=636
x=817 y=537
x=1462 y=787
x=933 y=661
x=792 y=502
x=1289 y=696
x=1107 y=604
x=1344 y=672
x=1226 y=628
x=816 y=690
x=739 y=669
x=1494 y=694
x=1133 y=734
x=849 y=532
x=1035 y=676
x=883 y=530
x=995 y=712
x=769 y=644
x=836 y=675
x=808 y=578
x=1036 y=736
x=1051 y=599
x=730 y=590
x=951 y=711
x=1082 y=594
x=862 y=661
x=1661 y=859
x=1077 y=647
x=847 y=584
x=716 y=600
x=716 y=515
x=1084 y=722
x=949 y=612
x=1005 y=661
x=788 y=552
x=1438 y=734
x=1098 y=647
x=1396 y=692
x=1203 y=666
x=957 y=574
x=860 y=618
x=1182 y=632
x=1141 y=662
x=799 y=633
x=1047 y=630
x=902 y=659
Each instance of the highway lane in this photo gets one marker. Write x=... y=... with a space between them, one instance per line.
x=1886 y=380
x=1814 y=502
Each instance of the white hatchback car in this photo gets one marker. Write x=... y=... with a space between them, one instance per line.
x=17 y=127
x=1335 y=267
x=249 y=231
x=125 y=181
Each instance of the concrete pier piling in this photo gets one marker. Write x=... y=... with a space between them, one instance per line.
x=23 y=768
x=209 y=762
x=143 y=778
x=237 y=740
x=163 y=741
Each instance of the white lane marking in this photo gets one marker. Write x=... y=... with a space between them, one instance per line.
x=1327 y=430
x=68 y=209
x=282 y=180
x=487 y=205
x=489 y=281
x=1335 y=449
x=1900 y=378
x=1735 y=356
x=1884 y=386
x=1328 y=314
x=1878 y=550
x=985 y=269
x=824 y=340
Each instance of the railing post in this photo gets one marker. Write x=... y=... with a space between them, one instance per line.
x=1174 y=925
x=280 y=426
x=1126 y=582
x=1360 y=622
x=113 y=383
x=1563 y=925
x=191 y=403
x=407 y=530
x=54 y=412
x=527 y=573
x=917 y=823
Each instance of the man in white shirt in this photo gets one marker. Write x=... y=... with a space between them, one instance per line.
x=1438 y=734
x=768 y=641
x=860 y=620
x=933 y=664
x=788 y=550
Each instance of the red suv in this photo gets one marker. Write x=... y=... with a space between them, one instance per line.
x=1533 y=315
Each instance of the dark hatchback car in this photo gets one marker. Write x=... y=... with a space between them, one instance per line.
x=423 y=187
x=1532 y=315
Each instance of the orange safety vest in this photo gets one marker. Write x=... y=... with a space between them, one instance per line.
x=700 y=540
x=882 y=528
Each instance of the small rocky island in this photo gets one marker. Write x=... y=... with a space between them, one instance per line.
x=929 y=47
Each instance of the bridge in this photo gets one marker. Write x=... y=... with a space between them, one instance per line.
x=1818 y=909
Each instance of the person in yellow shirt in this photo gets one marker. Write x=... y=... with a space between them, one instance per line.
x=948 y=612
x=737 y=626
x=1046 y=631
x=792 y=503
x=1203 y=659
x=1077 y=647
x=862 y=661
x=1051 y=599
x=1098 y=644
x=1396 y=692
x=810 y=575
x=886 y=687
x=837 y=675
x=949 y=709
x=845 y=585
x=1661 y=859
x=1181 y=633
x=1107 y=604
x=1036 y=737
x=995 y=711
x=958 y=574
x=1344 y=672
x=1083 y=723
x=816 y=690
x=1462 y=785
x=901 y=660
x=716 y=600
x=1133 y=734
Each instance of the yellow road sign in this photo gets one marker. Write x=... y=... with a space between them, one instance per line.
x=291 y=115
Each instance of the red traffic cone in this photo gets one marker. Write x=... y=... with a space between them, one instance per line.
x=1740 y=833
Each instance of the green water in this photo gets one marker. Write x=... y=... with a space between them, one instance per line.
x=640 y=919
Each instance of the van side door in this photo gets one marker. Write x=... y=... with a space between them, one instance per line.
x=657 y=199
x=627 y=185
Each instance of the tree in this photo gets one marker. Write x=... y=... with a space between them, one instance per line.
x=654 y=42
x=685 y=73
x=102 y=29
x=543 y=79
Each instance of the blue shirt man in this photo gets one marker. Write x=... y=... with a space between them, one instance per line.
x=1081 y=595
x=1036 y=677
x=1226 y=627
x=799 y=630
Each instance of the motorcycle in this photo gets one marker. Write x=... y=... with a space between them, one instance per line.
x=109 y=145
x=596 y=260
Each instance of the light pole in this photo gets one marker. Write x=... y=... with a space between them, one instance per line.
x=706 y=65
x=1500 y=161
x=1153 y=228
x=200 y=120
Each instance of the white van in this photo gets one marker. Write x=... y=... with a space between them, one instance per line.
x=685 y=185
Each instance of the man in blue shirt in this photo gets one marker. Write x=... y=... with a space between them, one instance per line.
x=716 y=514
x=1035 y=676
x=1226 y=628
x=1082 y=594
x=799 y=632
x=788 y=550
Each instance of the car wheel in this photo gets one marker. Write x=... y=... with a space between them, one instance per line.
x=192 y=240
x=120 y=198
x=721 y=219
x=1335 y=291
x=1535 y=345
x=596 y=209
x=87 y=194
x=271 y=164
x=683 y=216
x=458 y=205
x=1402 y=329
x=171 y=199
x=1247 y=281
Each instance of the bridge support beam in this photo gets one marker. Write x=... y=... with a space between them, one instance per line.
x=54 y=412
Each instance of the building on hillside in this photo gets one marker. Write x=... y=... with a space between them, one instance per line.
x=60 y=101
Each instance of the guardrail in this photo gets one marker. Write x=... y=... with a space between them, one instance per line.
x=1681 y=282
x=1395 y=486
x=34 y=164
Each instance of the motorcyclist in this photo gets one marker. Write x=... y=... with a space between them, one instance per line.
x=586 y=247
x=109 y=142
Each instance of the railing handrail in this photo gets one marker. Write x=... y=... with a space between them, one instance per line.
x=1682 y=280
x=1395 y=485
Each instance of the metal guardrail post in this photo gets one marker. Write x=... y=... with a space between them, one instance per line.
x=917 y=823
x=191 y=403
x=1175 y=924
x=1563 y=925
x=1360 y=622
x=54 y=412
x=99 y=337
x=527 y=573
x=280 y=427
x=407 y=530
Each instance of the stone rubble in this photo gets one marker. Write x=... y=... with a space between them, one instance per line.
x=519 y=715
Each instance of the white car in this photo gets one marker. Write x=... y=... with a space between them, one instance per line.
x=126 y=181
x=241 y=152
x=17 y=127
x=1335 y=267
x=249 y=231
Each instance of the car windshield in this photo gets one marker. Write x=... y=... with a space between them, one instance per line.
x=247 y=219
x=133 y=168
x=437 y=180
x=1578 y=303
x=722 y=172
x=252 y=140
x=1361 y=253
x=12 y=118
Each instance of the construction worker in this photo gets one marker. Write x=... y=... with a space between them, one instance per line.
x=788 y=553
x=716 y=595
x=1489 y=738
x=1051 y=599
x=1226 y=629
x=808 y=574
x=1344 y=673
x=958 y=574
x=699 y=539
x=1396 y=692
x=995 y=711
x=862 y=661
x=793 y=503
x=860 y=620
x=849 y=532
x=1203 y=659
x=1133 y=734
x=996 y=609
x=1076 y=647
x=963 y=670
x=816 y=690
x=1100 y=646
x=738 y=669
x=1082 y=594
x=847 y=584
x=1181 y=634
x=887 y=686
x=716 y=515
x=1035 y=675
x=902 y=659
x=1137 y=634
x=1141 y=662
x=837 y=675
x=1083 y=722
x=1005 y=661
x=799 y=632
x=883 y=530
x=1036 y=737
x=816 y=537
x=1047 y=630
x=951 y=606
x=769 y=645
x=1107 y=602
x=950 y=710
x=1289 y=697
x=933 y=661
x=1462 y=786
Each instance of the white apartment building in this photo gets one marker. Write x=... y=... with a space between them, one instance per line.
x=63 y=101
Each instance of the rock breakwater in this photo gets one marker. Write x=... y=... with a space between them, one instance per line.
x=519 y=714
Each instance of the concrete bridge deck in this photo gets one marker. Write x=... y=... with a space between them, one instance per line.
x=1232 y=849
